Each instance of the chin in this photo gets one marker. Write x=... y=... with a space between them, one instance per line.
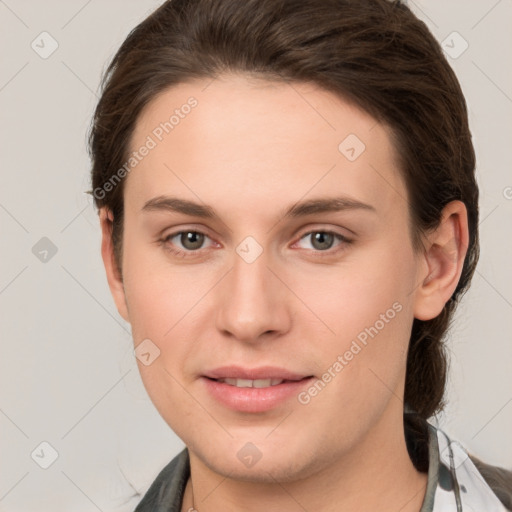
x=261 y=461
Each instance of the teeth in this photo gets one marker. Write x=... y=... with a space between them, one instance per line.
x=247 y=383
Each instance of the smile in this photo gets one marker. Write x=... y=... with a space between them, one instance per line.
x=248 y=383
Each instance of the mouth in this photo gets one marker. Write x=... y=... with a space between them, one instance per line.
x=254 y=390
x=232 y=374
x=256 y=383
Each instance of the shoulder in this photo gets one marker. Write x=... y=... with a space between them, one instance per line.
x=460 y=483
x=166 y=491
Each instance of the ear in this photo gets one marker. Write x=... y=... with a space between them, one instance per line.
x=442 y=261
x=114 y=277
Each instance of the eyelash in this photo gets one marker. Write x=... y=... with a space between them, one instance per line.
x=195 y=253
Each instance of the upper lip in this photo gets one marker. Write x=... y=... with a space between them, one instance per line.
x=263 y=372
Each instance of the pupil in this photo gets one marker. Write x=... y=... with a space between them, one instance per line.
x=322 y=240
x=192 y=240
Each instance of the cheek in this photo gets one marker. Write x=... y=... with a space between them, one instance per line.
x=166 y=302
x=367 y=306
x=351 y=296
x=155 y=293
x=161 y=306
x=363 y=362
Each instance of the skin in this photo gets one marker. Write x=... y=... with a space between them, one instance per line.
x=250 y=150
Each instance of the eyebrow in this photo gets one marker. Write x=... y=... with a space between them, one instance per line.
x=300 y=209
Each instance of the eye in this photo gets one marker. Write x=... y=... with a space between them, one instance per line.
x=185 y=241
x=323 y=240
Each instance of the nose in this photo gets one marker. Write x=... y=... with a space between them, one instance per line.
x=253 y=304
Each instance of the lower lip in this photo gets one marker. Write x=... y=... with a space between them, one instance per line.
x=254 y=399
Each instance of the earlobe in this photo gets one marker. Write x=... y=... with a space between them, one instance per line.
x=114 y=277
x=443 y=258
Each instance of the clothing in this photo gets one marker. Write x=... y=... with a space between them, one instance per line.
x=454 y=483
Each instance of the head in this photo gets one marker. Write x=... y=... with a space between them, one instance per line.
x=250 y=110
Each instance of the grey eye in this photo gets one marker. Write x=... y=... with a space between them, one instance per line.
x=191 y=240
x=321 y=240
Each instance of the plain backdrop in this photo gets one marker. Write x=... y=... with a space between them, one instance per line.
x=67 y=371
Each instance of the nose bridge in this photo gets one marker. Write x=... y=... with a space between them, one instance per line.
x=252 y=303
x=250 y=278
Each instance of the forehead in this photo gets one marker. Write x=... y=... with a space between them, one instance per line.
x=260 y=140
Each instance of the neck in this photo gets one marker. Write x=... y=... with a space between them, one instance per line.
x=377 y=474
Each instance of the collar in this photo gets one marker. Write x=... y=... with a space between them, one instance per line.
x=460 y=487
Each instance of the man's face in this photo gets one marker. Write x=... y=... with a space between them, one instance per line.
x=321 y=298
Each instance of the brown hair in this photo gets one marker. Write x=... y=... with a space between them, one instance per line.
x=376 y=54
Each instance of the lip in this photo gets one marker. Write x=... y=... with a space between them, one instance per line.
x=263 y=372
x=254 y=400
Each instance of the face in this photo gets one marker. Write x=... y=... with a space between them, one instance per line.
x=267 y=241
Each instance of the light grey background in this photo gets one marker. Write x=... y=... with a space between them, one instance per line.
x=67 y=371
